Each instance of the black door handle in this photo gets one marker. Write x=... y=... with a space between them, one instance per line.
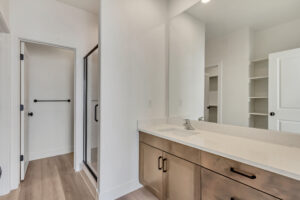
x=30 y=114
x=95 y=114
x=272 y=114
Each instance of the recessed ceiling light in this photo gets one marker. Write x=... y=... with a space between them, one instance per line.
x=205 y=1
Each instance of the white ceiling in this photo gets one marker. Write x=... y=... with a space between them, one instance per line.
x=224 y=16
x=88 y=5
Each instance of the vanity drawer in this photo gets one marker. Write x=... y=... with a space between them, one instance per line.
x=179 y=150
x=217 y=187
x=271 y=183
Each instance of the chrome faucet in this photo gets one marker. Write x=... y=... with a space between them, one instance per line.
x=188 y=125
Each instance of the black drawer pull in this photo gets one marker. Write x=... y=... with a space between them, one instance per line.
x=164 y=165
x=232 y=198
x=95 y=113
x=251 y=176
x=159 y=161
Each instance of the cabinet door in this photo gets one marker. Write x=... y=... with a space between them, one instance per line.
x=181 y=179
x=151 y=169
x=218 y=187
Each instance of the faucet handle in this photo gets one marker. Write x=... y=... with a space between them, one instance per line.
x=188 y=125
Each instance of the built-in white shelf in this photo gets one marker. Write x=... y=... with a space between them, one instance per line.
x=259 y=77
x=259 y=114
x=258 y=93
x=259 y=59
x=258 y=97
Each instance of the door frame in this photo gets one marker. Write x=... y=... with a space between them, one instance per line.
x=220 y=88
x=23 y=40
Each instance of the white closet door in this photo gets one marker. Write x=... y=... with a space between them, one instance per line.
x=284 y=91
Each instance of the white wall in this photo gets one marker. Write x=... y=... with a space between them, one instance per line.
x=186 y=67
x=4 y=8
x=133 y=86
x=277 y=38
x=52 y=22
x=49 y=74
x=4 y=16
x=178 y=6
x=4 y=113
x=234 y=51
x=5 y=108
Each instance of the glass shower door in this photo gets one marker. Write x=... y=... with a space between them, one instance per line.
x=91 y=110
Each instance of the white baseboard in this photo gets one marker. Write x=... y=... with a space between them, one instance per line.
x=50 y=153
x=120 y=190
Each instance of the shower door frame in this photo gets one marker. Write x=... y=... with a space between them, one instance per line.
x=85 y=112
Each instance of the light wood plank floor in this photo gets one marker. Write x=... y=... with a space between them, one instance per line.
x=51 y=179
x=141 y=194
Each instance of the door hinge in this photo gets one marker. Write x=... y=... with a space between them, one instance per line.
x=21 y=56
x=21 y=158
x=21 y=107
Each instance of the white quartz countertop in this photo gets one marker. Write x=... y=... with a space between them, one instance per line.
x=277 y=158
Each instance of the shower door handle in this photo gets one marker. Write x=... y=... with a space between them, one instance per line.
x=95 y=114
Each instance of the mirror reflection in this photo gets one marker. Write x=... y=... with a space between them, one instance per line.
x=237 y=62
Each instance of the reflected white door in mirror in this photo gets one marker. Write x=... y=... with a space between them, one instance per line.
x=284 y=93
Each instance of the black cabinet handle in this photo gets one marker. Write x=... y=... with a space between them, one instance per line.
x=95 y=114
x=232 y=198
x=164 y=165
x=30 y=114
x=159 y=162
x=250 y=176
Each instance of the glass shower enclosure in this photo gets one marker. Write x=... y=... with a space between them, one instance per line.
x=91 y=111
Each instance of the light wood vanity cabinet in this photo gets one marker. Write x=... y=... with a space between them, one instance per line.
x=174 y=171
x=167 y=176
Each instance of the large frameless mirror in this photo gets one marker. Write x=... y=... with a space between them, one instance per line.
x=237 y=62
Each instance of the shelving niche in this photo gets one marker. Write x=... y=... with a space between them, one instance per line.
x=258 y=93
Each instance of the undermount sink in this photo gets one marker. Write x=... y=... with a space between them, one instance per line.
x=178 y=132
